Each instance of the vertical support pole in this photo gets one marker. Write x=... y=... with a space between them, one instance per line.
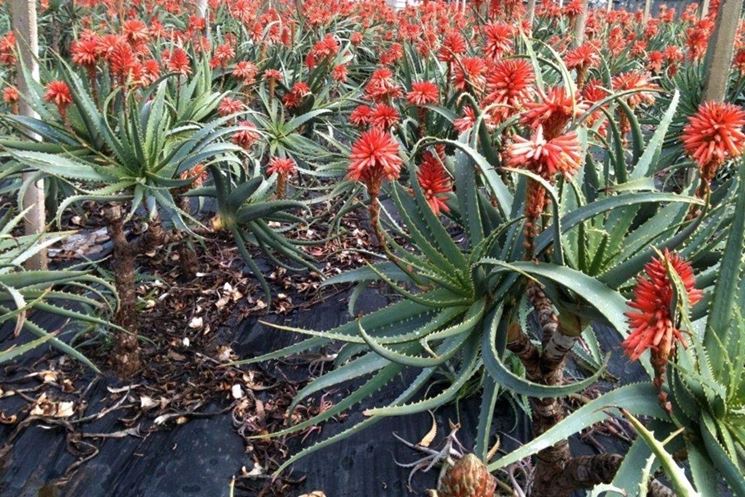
x=704 y=9
x=23 y=23
x=579 y=25
x=647 y=10
x=610 y=5
x=721 y=48
x=531 y=13
x=202 y=6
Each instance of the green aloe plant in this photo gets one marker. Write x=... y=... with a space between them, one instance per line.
x=247 y=209
x=76 y=296
x=136 y=158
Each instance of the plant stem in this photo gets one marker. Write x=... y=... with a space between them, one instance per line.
x=126 y=347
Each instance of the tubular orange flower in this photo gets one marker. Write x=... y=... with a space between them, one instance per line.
x=59 y=94
x=360 y=116
x=652 y=319
x=453 y=45
x=423 y=93
x=11 y=95
x=283 y=166
x=7 y=49
x=382 y=86
x=468 y=74
x=655 y=59
x=229 y=106
x=435 y=182
x=339 y=73
x=738 y=62
x=246 y=71
x=247 y=135
x=374 y=158
x=384 y=116
x=633 y=80
x=295 y=96
x=584 y=56
x=84 y=52
x=553 y=112
x=222 y=55
x=573 y=9
x=178 y=61
x=273 y=74
x=465 y=122
x=546 y=157
x=122 y=61
x=509 y=82
x=136 y=32
x=498 y=39
x=713 y=135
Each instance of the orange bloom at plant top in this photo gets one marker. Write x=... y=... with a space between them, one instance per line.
x=423 y=93
x=282 y=166
x=59 y=94
x=652 y=320
x=546 y=158
x=435 y=182
x=374 y=158
x=713 y=135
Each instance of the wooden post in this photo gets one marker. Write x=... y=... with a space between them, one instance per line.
x=531 y=13
x=721 y=48
x=648 y=10
x=23 y=23
x=704 y=9
x=579 y=25
x=202 y=8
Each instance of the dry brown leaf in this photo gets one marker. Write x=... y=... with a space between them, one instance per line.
x=426 y=441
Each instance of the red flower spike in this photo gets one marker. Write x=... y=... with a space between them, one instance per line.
x=713 y=135
x=435 y=182
x=374 y=158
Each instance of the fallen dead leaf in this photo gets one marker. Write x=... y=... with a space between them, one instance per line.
x=147 y=402
x=237 y=391
x=426 y=441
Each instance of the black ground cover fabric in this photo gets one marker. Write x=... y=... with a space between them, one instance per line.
x=200 y=457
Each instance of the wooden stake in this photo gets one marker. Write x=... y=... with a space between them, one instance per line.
x=704 y=9
x=23 y=23
x=579 y=25
x=721 y=48
x=202 y=8
x=647 y=10
x=531 y=13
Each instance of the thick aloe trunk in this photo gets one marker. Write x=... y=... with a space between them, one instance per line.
x=126 y=348
x=548 y=412
x=557 y=472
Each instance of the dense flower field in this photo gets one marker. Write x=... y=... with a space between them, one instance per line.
x=531 y=176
